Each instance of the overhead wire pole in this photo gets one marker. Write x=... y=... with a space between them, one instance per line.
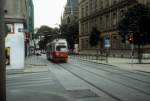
x=2 y=54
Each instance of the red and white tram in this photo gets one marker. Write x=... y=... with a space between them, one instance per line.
x=57 y=50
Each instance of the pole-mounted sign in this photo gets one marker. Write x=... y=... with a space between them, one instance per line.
x=107 y=42
x=107 y=46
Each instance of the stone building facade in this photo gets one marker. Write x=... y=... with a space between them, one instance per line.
x=71 y=12
x=104 y=15
x=19 y=20
x=70 y=19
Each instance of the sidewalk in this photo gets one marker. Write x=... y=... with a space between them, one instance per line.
x=129 y=64
x=32 y=64
x=125 y=63
x=35 y=83
x=35 y=64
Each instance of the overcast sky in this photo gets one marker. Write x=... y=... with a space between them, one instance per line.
x=48 y=12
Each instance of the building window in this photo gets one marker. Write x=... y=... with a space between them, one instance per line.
x=90 y=26
x=86 y=27
x=82 y=11
x=86 y=43
x=18 y=6
x=10 y=28
x=68 y=20
x=101 y=4
x=102 y=23
x=106 y=3
x=91 y=6
x=82 y=44
x=95 y=23
x=87 y=9
x=82 y=28
x=20 y=29
x=114 y=2
x=115 y=42
x=95 y=3
x=122 y=13
x=107 y=21
x=30 y=11
x=114 y=19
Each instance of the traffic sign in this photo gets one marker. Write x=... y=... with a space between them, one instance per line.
x=107 y=42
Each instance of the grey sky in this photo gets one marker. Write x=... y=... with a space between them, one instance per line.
x=48 y=12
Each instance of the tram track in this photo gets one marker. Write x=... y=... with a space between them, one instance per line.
x=92 y=84
x=142 y=73
x=69 y=68
x=75 y=69
x=120 y=70
x=141 y=91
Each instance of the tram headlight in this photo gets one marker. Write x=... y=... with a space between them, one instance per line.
x=57 y=54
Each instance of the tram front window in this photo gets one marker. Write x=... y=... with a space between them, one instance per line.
x=61 y=48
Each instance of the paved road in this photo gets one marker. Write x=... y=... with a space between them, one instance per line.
x=82 y=81
x=102 y=82
x=40 y=86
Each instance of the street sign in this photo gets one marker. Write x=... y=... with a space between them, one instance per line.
x=107 y=42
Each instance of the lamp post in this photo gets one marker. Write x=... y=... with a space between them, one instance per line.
x=2 y=54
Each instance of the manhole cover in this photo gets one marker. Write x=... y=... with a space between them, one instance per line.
x=85 y=93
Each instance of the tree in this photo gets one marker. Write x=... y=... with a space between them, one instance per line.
x=71 y=33
x=48 y=34
x=136 y=22
x=44 y=30
x=94 y=37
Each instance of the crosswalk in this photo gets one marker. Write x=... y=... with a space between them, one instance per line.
x=39 y=86
x=34 y=60
x=30 y=80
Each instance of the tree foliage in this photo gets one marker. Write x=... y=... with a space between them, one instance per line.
x=48 y=33
x=71 y=33
x=44 y=30
x=94 y=37
x=136 y=21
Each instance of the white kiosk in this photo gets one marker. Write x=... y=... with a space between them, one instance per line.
x=15 y=44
